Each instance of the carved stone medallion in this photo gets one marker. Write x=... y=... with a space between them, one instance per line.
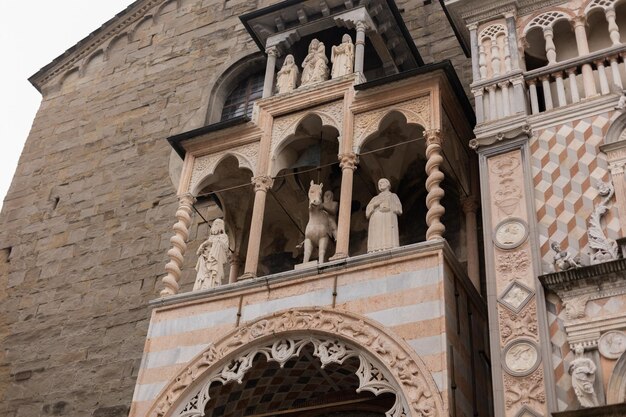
x=612 y=344
x=515 y=296
x=510 y=233
x=521 y=357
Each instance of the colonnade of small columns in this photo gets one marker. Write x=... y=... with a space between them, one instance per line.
x=348 y=164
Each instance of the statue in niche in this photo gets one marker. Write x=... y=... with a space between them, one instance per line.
x=212 y=255
x=382 y=213
x=331 y=207
x=564 y=260
x=287 y=77
x=319 y=229
x=602 y=247
x=342 y=57
x=583 y=372
x=315 y=65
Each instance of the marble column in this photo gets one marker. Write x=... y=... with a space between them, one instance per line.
x=473 y=29
x=261 y=185
x=433 y=181
x=548 y=35
x=235 y=264
x=348 y=163
x=573 y=84
x=479 y=104
x=179 y=245
x=534 y=100
x=506 y=100
x=613 y=28
x=359 y=49
x=560 y=89
x=617 y=169
x=473 y=268
x=547 y=91
x=617 y=79
x=512 y=35
x=270 y=69
x=604 y=82
x=583 y=49
x=493 y=106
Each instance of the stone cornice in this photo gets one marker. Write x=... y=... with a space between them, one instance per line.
x=112 y=28
x=594 y=276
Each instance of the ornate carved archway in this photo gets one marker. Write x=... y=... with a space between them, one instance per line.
x=386 y=363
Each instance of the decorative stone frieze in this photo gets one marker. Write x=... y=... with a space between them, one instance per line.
x=386 y=364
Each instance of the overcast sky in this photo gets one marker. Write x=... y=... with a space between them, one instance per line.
x=33 y=33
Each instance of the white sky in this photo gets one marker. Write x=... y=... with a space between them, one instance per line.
x=32 y=34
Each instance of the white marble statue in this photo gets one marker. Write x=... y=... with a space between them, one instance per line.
x=331 y=207
x=382 y=212
x=342 y=57
x=287 y=77
x=212 y=255
x=564 y=260
x=319 y=229
x=315 y=65
x=583 y=372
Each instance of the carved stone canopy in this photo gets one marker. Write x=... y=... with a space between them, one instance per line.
x=386 y=365
x=284 y=24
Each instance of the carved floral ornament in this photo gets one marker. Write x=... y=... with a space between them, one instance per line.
x=417 y=110
x=387 y=365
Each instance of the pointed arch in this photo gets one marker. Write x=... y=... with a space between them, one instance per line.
x=388 y=364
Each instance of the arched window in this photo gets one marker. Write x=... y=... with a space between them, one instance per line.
x=241 y=99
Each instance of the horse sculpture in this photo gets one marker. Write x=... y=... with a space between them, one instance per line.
x=318 y=230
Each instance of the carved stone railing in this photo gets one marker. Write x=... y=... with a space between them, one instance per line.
x=576 y=79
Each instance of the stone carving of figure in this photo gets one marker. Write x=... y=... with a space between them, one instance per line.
x=563 y=260
x=287 y=76
x=342 y=57
x=315 y=65
x=331 y=207
x=212 y=255
x=382 y=212
x=583 y=372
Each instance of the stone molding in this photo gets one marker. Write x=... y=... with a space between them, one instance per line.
x=417 y=110
x=86 y=47
x=203 y=166
x=403 y=370
x=576 y=287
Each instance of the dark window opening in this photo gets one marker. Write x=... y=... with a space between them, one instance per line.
x=241 y=99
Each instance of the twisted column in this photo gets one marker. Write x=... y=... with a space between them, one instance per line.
x=435 y=192
x=179 y=245
x=261 y=185
x=348 y=163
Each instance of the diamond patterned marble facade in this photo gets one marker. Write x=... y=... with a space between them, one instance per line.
x=567 y=166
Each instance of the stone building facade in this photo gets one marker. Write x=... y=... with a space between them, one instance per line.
x=503 y=294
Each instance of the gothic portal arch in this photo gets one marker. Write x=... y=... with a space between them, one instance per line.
x=616 y=390
x=386 y=363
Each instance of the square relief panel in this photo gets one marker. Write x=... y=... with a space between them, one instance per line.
x=515 y=296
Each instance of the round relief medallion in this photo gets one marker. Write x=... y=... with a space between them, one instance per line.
x=521 y=357
x=612 y=344
x=510 y=233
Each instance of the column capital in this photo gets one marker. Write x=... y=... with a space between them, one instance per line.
x=578 y=21
x=478 y=92
x=272 y=50
x=491 y=88
x=433 y=137
x=361 y=26
x=543 y=78
x=348 y=160
x=262 y=183
x=503 y=84
x=187 y=199
x=571 y=71
x=472 y=26
x=532 y=81
x=548 y=31
x=509 y=15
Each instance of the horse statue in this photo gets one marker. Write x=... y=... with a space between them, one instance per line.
x=319 y=228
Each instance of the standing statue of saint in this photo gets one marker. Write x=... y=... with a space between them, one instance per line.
x=315 y=65
x=287 y=76
x=342 y=57
x=382 y=212
x=331 y=207
x=212 y=255
x=583 y=372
